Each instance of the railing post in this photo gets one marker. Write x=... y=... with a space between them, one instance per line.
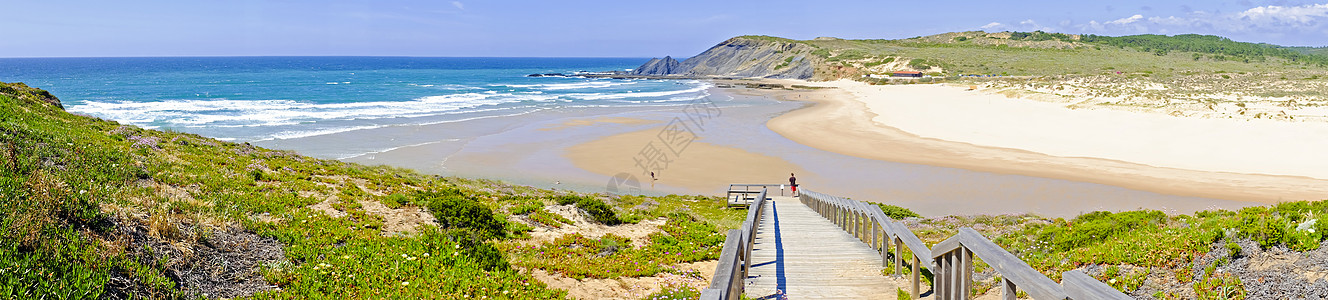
x=885 y=249
x=1008 y=290
x=834 y=214
x=866 y=229
x=899 y=257
x=853 y=225
x=917 y=278
x=875 y=244
x=857 y=225
x=956 y=274
x=940 y=277
x=838 y=213
x=966 y=277
x=844 y=221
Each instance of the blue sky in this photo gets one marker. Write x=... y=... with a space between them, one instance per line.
x=56 y=28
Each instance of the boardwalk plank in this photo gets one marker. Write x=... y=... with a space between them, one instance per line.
x=806 y=256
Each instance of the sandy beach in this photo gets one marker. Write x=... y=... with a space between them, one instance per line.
x=828 y=137
x=1246 y=160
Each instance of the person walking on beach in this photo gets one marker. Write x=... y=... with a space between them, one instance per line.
x=793 y=184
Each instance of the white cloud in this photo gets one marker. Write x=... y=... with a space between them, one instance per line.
x=459 y=5
x=1034 y=25
x=1123 y=21
x=1025 y=25
x=1285 y=15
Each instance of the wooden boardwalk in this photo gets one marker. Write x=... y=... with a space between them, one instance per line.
x=806 y=256
x=787 y=250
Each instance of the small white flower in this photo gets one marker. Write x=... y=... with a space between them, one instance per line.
x=404 y=256
x=426 y=254
x=405 y=283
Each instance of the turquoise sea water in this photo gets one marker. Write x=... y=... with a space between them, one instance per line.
x=248 y=99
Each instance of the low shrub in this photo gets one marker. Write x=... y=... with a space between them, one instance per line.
x=897 y=213
x=600 y=212
x=525 y=208
x=1095 y=227
x=549 y=219
x=684 y=240
x=454 y=211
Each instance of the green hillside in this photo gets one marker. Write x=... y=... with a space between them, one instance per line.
x=1054 y=54
x=1320 y=51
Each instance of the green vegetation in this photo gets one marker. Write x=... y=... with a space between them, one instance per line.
x=93 y=209
x=1219 y=286
x=1170 y=58
x=921 y=64
x=786 y=63
x=1221 y=48
x=1320 y=51
x=549 y=219
x=1040 y=36
x=598 y=211
x=684 y=239
x=1290 y=224
x=897 y=213
x=879 y=62
x=769 y=39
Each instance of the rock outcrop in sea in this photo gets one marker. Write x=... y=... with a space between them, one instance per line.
x=742 y=56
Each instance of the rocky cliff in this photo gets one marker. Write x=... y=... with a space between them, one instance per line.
x=745 y=56
x=657 y=66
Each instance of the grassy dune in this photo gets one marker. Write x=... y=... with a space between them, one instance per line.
x=95 y=209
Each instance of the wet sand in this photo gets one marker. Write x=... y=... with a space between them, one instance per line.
x=697 y=167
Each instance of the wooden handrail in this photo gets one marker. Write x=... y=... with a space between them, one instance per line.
x=951 y=260
x=1009 y=266
x=735 y=258
x=1081 y=286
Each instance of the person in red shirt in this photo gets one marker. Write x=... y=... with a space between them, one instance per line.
x=793 y=184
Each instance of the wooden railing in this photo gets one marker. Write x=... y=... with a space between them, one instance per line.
x=951 y=261
x=751 y=187
x=735 y=259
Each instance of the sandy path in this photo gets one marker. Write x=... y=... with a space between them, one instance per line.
x=844 y=121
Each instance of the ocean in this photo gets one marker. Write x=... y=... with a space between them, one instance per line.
x=270 y=99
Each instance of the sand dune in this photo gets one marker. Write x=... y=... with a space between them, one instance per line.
x=1256 y=160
